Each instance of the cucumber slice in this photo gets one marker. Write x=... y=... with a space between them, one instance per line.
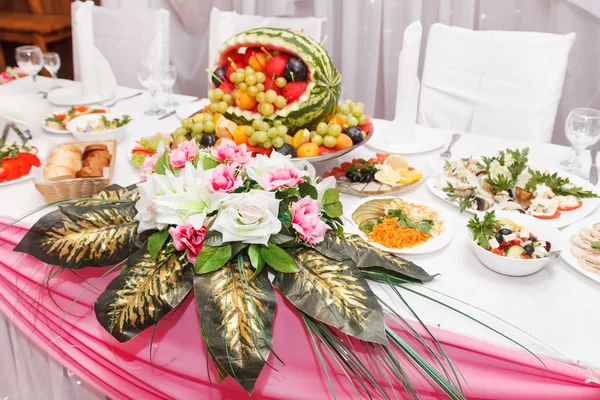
x=515 y=252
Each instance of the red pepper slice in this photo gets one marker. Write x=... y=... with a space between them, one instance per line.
x=553 y=216
x=29 y=158
x=141 y=150
x=571 y=208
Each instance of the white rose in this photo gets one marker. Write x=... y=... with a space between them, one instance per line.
x=262 y=165
x=248 y=217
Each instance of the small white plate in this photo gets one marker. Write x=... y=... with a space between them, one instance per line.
x=184 y=111
x=433 y=244
x=73 y=95
x=52 y=130
x=42 y=147
x=566 y=218
x=425 y=140
x=566 y=254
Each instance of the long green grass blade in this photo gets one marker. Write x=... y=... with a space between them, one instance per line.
x=310 y=332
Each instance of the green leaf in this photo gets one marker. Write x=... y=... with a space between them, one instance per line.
x=331 y=203
x=483 y=230
x=156 y=242
x=285 y=219
x=278 y=259
x=256 y=259
x=162 y=164
x=596 y=245
x=209 y=163
x=212 y=258
x=213 y=238
x=306 y=189
x=237 y=247
x=280 y=238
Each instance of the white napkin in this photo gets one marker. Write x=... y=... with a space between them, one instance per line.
x=20 y=104
x=97 y=77
x=407 y=96
x=159 y=53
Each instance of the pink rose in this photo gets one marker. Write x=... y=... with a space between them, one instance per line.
x=185 y=151
x=186 y=237
x=147 y=167
x=286 y=176
x=307 y=222
x=230 y=152
x=223 y=178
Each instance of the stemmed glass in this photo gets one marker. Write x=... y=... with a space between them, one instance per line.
x=582 y=129
x=168 y=81
x=52 y=64
x=148 y=76
x=30 y=59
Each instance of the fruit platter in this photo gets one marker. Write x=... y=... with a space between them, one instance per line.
x=384 y=174
x=277 y=90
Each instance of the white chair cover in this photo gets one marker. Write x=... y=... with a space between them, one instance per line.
x=495 y=83
x=124 y=37
x=225 y=24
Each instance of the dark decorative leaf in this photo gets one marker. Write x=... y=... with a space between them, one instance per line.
x=280 y=238
x=306 y=189
x=221 y=371
x=74 y=237
x=236 y=247
x=238 y=314
x=213 y=238
x=211 y=258
x=363 y=255
x=157 y=241
x=112 y=192
x=333 y=292
x=141 y=297
x=278 y=259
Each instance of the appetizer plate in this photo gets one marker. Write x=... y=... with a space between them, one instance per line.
x=566 y=218
x=73 y=95
x=42 y=147
x=184 y=111
x=66 y=131
x=566 y=255
x=433 y=244
x=421 y=143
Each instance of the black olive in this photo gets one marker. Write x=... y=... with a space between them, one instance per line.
x=528 y=249
x=354 y=133
x=219 y=75
x=295 y=70
x=505 y=231
x=548 y=246
x=208 y=139
x=499 y=237
x=532 y=239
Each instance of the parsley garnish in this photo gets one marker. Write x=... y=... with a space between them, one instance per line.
x=403 y=222
x=482 y=230
x=463 y=203
x=556 y=184
x=596 y=245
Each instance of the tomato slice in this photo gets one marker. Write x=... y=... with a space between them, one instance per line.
x=553 y=216
x=141 y=150
x=81 y=109
x=11 y=169
x=497 y=251
x=373 y=160
x=327 y=175
x=345 y=165
x=29 y=158
x=381 y=156
x=571 y=208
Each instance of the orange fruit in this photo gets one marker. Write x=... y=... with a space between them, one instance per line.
x=337 y=120
x=308 y=150
x=258 y=61
x=216 y=117
x=343 y=142
x=301 y=137
x=243 y=100
x=239 y=135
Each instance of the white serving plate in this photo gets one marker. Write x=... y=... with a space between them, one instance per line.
x=73 y=95
x=433 y=244
x=566 y=254
x=566 y=218
x=515 y=266
x=42 y=147
x=80 y=122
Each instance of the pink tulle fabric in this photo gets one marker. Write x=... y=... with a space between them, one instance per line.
x=178 y=367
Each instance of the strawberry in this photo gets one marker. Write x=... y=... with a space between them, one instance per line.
x=276 y=66
x=226 y=87
x=293 y=90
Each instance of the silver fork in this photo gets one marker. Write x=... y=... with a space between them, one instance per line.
x=112 y=103
x=447 y=154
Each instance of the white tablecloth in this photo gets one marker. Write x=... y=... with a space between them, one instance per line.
x=558 y=305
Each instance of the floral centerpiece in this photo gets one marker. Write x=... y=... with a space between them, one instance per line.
x=217 y=222
x=11 y=73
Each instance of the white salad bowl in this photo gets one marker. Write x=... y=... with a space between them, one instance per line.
x=78 y=123
x=515 y=266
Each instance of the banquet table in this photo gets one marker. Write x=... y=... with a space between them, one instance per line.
x=552 y=313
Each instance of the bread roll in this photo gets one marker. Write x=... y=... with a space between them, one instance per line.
x=70 y=147
x=66 y=159
x=58 y=172
x=89 y=172
x=97 y=146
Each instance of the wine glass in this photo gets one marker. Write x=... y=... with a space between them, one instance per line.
x=168 y=80
x=148 y=76
x=582 y=129
x=52 y=64
x=30 y=59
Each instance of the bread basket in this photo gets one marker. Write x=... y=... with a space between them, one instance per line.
x=77 y=187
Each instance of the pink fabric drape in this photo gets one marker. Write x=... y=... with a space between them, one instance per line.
x=176 y=366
